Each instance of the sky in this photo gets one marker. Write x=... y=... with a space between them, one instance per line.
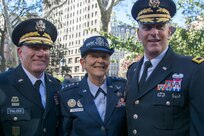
x=125 y=8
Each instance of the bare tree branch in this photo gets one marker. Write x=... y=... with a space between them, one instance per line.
x=53 y=8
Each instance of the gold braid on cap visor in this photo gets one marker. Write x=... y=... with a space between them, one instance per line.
x=150 y=18
x=161 y=15
x=34 y=37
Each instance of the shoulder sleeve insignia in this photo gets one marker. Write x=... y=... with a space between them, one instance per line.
x=198 y=60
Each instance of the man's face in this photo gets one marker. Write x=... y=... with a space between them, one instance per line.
x=34 y=58
x=96 y=64
x=154 y=38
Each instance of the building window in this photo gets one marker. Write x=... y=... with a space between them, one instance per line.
x=76 y=69
x=77 y=60
x=69 y=60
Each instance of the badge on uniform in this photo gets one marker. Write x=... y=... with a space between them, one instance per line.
x=121 y=103
x=15 y=101
x=118 y=87
x=15 y=131
x=72 y=103
x=15 y=110
x=172 y=85
x=56 y=98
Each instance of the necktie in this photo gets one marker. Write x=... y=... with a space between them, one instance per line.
x=100 y=91
x=100 y=101
x=37 y=87
x=147 y=65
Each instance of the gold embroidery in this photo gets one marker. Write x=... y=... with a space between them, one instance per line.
x=155 y=16
x=147 y=20
x=162 y=19
x=144 y=11
x=35 y=36
x=29 y=35
x=198 y=60
x=163 y=10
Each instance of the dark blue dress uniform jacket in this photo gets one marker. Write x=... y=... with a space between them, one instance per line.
x=81 y=117
x=160 y=110
x=21 y=111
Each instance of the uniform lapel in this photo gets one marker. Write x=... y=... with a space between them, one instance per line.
x=112 y=99
x=23 y=84
x=133 y=80
x=49 y=93
x=162 y=70
x=88 y=102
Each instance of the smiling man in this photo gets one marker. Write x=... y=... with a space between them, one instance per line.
x=95 y=105
x=28 y=102
x=165 y=89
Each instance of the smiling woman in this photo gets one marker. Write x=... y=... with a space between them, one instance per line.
x=97 y=100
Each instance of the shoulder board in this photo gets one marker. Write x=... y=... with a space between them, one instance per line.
x=118 y=79
x=70 y=85
x=198 y=60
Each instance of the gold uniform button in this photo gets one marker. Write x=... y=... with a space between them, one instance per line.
x=134 y=132
x=135 y=116
x=168 y=103
x=44 y=130
x=137 y=102
x=15 y=118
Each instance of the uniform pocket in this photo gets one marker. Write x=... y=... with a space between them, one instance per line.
x=168 y=109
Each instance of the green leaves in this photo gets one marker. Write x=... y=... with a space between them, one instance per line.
x=188 y=42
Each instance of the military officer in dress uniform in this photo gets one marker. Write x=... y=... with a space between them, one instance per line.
x=29 y=104
x=95 y=105
x=164 y=90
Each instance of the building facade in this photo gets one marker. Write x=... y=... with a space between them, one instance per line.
x=123 y=32
x=77 y=20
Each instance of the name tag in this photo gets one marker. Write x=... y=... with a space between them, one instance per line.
x=15 y=110
x=76 y=110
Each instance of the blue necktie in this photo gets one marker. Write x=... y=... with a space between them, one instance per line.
x=100 y=101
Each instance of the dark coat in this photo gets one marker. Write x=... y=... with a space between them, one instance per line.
x=81 y=118
x=22 y=113
x=165 y=108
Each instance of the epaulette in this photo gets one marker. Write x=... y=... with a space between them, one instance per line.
x=118 y=79
x=198 y=60
x=70 y=85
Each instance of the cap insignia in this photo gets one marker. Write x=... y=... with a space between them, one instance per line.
x=101 y=42
x=98 y=41
x=154 y=3
x=40 y=26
